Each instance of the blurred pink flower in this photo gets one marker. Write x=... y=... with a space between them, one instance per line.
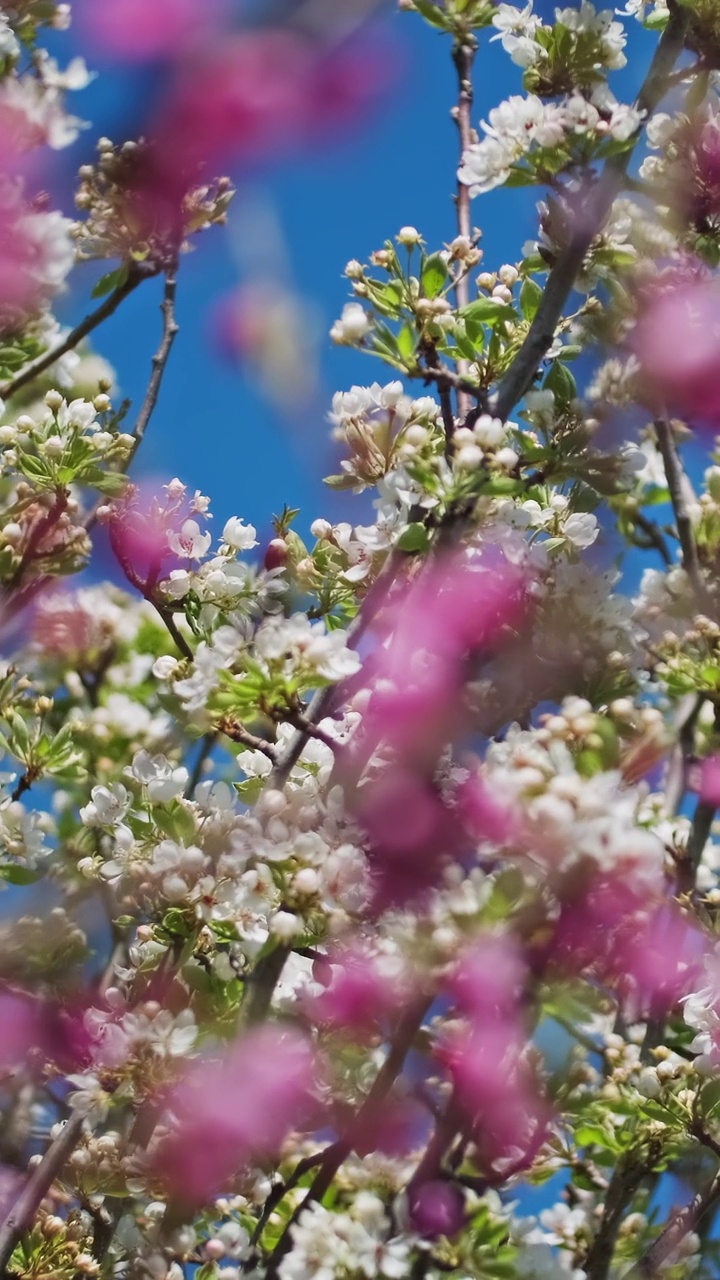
x=234 y=1108
x=451 y=618
x=648 y=950
x=140 y=30
x=22 y=1029
x=489 y=977
x=677 y=342
x=495 y=1090
x=360 y=994
x=242 y=98
x=153 y=530
x=437 y=1208
x=452 y=614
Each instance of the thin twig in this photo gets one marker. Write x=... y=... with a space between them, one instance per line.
x=678 y=487
x=24 y=783
x=463 y=58
x=445 y=374
x=686 y=714
x=238 y=733
x=203 y=756
x=91 y=321
x=654 y=538
x=159 y=360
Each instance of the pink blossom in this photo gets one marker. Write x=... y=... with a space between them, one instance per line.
x=489 y=977
x=398 y=1126
x=677 y=341
x=22 y=1029
x=455 y=611
x=453 y=616
x=647 y=949
x=495 y=1090
x=360 y=995
x=138 y=30
x=243 y=98
x=234 y=1108
x=151 y=532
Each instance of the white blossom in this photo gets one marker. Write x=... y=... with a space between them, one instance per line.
x=189 y=542
x=239 y=536
x=107 y=807
x=353 y=325
x=162 y=780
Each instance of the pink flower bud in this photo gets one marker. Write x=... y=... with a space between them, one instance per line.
x=437 y=1209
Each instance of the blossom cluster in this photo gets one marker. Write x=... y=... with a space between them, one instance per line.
x=372 y=875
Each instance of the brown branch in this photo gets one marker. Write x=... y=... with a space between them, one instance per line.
x=238 y=733
x=627 y=1176
x=160 y=359
x=22 y=1214
x=463 y=58
x=679 y=1226
x=260 y=986
x=680 y=493
x=107 y=308
x=335 y=1155
x=654 y=538
x=445 y=374
x=561 y=280
x=24 y=783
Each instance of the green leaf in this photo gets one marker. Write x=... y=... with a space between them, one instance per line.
x=433 y=14
x=434 y=275
x=15 y=874
x=407 y=341
x=560 y=381
x=414 y=538
x=34 y=468
x=112 y=280
x=489 y=311
x=530 y=295
x=112 y=483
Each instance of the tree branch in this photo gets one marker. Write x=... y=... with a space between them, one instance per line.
x=91 y=321
x=20 y=1218
x=338 y=1152
x=627 y=1176
x=463 y=58
x=679 y=1225
x=678 y=487
x=160 y=359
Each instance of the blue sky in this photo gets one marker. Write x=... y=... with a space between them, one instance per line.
x=335 y=202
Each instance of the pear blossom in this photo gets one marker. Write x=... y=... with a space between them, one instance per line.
x=162 y=780
x=353 y=325
x=189 y=542
x=239 y=536
x=107 y=807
